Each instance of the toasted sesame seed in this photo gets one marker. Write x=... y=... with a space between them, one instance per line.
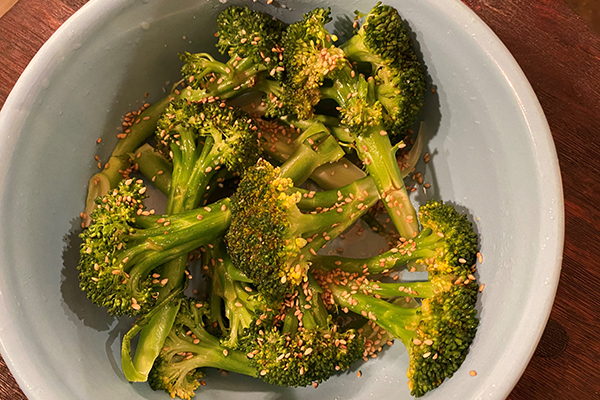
x=358 y=374
x=482 y=287
x=473 y=373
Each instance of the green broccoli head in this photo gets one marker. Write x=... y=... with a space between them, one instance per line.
x=309 y=58
x=251 y=34
x=456 y=241
x=263 y=240
x=303 y=355
x=439 y=332
x=361 y=111
x=443 y=332
x=384 y=42
x=103 y=253
x=233 y=138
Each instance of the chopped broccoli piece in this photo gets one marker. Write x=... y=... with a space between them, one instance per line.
x=188 y=348
x=117 y=256
x=272 y=241
x=384 y=42
x=438 y=333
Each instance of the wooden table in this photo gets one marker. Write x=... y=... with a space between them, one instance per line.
x=560 y=55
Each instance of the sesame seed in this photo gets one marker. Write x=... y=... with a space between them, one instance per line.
x=358 y=374
x=225 y=352
x=462 y=260
x=482 y=287
x=473 y=373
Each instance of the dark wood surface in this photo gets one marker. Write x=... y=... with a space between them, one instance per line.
x=560 y=55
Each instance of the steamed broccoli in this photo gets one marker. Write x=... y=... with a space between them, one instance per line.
x=201 y=139
x=250 y=37
x=384 y=42
x=125 y=245
x=438 y=333
x=188 y=348
x=298 y=344
x=361 y=111
x=272 y=241
x=229 y=139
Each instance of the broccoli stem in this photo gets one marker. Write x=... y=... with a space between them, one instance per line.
x=324 y=226
x=151 y=341
x=376 y=152
x=238 y=307
x=305 y=159
x=154 y=167
x=388 y=316
x=213 y=355
x=153 y=335
x=425 y=246
x=136 y=372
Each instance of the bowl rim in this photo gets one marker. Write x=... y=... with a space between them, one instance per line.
x=540 y=135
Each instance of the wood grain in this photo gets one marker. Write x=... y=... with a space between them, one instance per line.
x=560 y=55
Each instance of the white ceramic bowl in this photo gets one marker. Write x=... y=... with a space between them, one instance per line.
x=492 y=153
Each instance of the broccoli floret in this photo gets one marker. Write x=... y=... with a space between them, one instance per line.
x=188 y=348
x=361 y=112
x=201 y=138
x=271 y=348
x=124 y=246
x=298 y=344
x=309 y=58
x=251 y=34
x=204 y=78
x=272 y=241
x=383 y=42
x=438 y=333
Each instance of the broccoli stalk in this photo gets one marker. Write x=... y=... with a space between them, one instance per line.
x=438 y=333
x=202 y=138
x=272 y=241
x=231 y=296
x=154 y=166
